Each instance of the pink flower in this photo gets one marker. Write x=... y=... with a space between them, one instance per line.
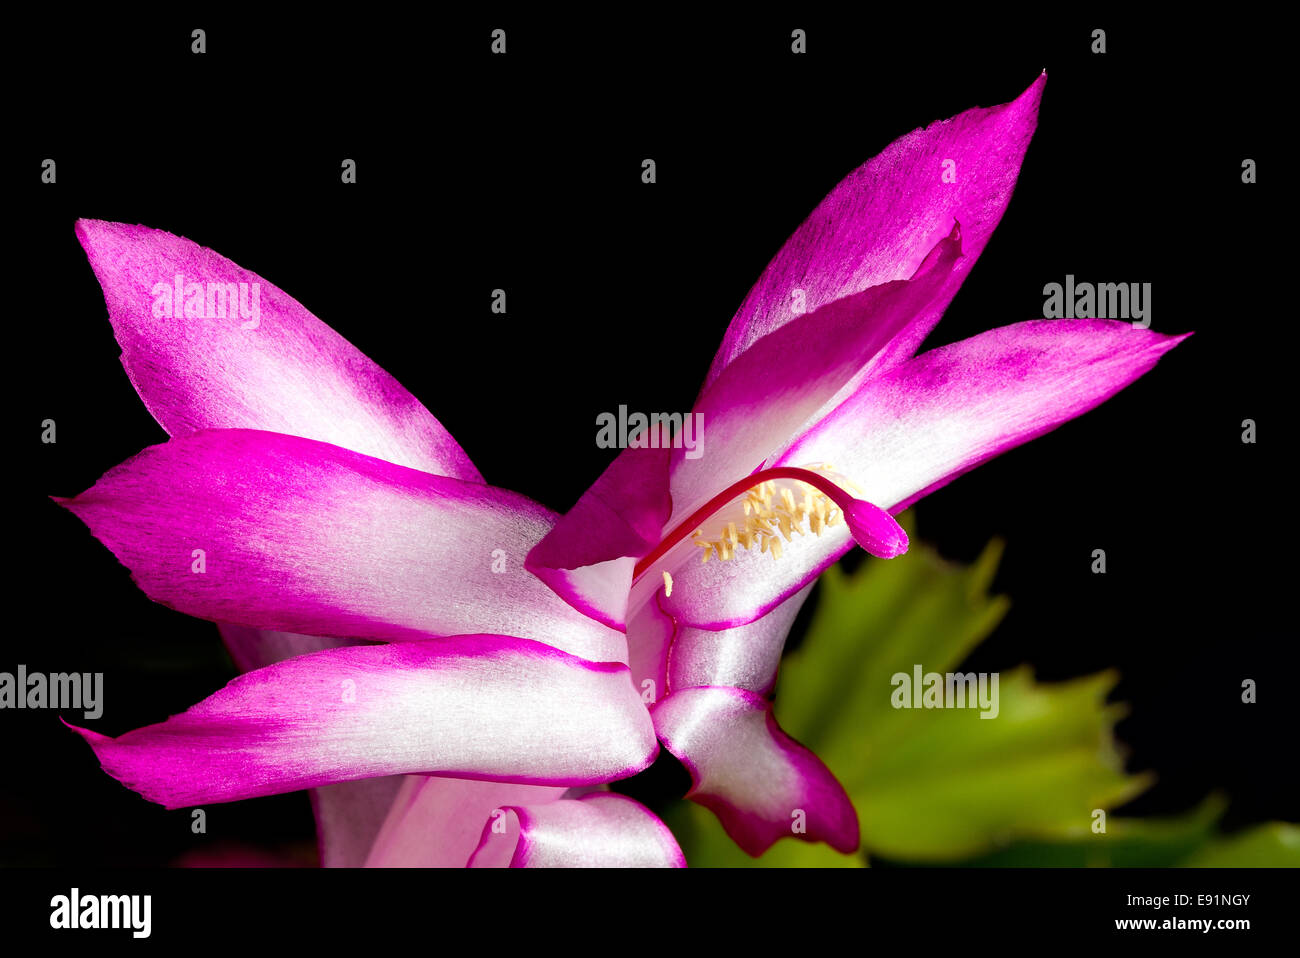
x=522 y=654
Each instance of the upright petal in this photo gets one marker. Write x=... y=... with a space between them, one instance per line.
x=758 y=404
x=476 y=706
x=301 y=536
x=750 y=413
x=600 y=830
x=879 y=223
x=917 y=427
x=279 y=368
x=762 y=784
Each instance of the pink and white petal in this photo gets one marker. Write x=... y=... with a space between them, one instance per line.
x=289 y=373
x=761 y=783
x=745 y=657
x=650 y=633
x=349 y=816
x=301 y=536
x=437 y=822
x=600 y=830
x=929 y=420
x=750 y=413
x=588 y=557
x=916 y=428
x=719 y=596
x=486 y=707
x=879 y=223
x=764 y=397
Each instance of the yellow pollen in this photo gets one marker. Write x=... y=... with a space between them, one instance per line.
x=668 y=584
x=768 y=513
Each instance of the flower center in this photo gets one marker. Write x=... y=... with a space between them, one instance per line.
x=762 y=509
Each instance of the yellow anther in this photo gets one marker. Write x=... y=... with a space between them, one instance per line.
x=668 y=584
x=768 y=512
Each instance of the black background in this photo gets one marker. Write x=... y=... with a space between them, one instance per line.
x=523 y=172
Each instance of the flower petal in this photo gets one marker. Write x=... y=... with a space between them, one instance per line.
x=476 y=706
x=289 y=373
x=929 y=420
x=762 y=784
x=745 y=657
x=919 y=426
x=437 y=822
x=763 y=398
x=649 y=637
x=349 y=816
x=879 y=223
x=302 y=536
x=587 y=558
x=750 y=413
x=600 y=830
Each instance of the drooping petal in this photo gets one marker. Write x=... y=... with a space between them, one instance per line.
x=762 y=784
x=349 y=816
x=587 y=558
x=917 y=427
x=879 y=223
x=600 y=830
x=479 y=706
x=437 y=822
x=745 y=657
x=758 y=404
x=301 y=536
x=282 y=370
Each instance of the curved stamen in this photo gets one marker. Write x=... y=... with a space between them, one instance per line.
x=873 y=528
